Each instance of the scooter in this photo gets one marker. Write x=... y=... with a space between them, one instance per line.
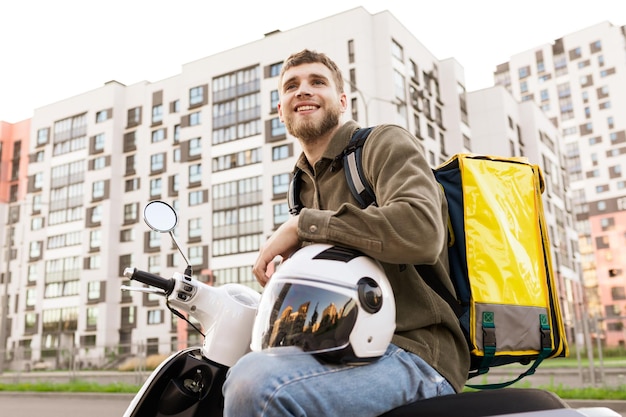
x=189 y=382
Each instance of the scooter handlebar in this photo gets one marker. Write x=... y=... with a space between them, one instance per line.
x=150 y=279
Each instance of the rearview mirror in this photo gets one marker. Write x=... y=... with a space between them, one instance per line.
x=160 y=216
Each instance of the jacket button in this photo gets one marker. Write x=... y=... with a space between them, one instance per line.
x=313 y=229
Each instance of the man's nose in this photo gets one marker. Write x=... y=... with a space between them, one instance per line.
x=303 y=90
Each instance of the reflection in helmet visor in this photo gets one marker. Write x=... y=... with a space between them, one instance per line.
x=311 y=318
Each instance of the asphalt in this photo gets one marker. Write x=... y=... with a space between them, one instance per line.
x=31 y=404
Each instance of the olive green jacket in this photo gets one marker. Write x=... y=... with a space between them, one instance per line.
x=407 y=226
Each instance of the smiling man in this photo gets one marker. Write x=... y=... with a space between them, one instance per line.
x=428 y=355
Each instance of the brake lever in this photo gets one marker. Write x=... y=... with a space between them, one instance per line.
x=148 y=290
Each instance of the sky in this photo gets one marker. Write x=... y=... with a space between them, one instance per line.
x=51 y=50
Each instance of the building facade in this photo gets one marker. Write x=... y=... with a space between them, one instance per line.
x=579 y=82
x=209 y=142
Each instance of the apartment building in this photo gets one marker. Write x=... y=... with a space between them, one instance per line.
x=208 y=141
x=579 y=82
x=501 y=125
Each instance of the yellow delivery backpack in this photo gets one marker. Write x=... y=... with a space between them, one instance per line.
x=500 y=262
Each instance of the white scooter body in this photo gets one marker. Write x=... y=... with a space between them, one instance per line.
x=189 y=382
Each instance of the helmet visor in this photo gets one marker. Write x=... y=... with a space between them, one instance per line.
x=313 y=318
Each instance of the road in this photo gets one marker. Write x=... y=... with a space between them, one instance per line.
x=63 y=405
x=113 y=405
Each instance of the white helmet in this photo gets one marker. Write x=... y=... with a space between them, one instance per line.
x=330 y=301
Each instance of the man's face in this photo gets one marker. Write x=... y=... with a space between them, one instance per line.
x=310 y=105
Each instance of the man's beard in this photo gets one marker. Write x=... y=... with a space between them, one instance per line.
x=309 y=130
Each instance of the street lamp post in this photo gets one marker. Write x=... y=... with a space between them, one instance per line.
x=366 y=101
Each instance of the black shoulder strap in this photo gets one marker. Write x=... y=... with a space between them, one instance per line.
x=293 y=194
x=353 y=168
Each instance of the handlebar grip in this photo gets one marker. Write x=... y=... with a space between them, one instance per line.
x=150 y=279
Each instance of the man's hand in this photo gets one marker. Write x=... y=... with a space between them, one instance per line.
x=283 y=242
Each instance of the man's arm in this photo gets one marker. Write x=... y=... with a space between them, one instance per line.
x=283 y=242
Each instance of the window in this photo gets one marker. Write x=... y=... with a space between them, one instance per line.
x=176 y=133
x=195 y=146
x=195 y=228
x=99 y=142
x=157 y=163
x=602 y=242
x=95 y=239
x=280 y=152
x=278 y=128
x=102 y=116
x=275 y=69
x=158 y=135
x=396 y=51
x=157 y=114
x=131 y=214
x=196 y=198
x=281 y=213
x=196 y=95
x=196 y=255
x=35 y=250
x=280 y=184
x=38 y=183
x=607 y=223
x=194 y=119
x=31 y=297
x=523 y=72
x=618 y=293
x=154 y=241
x=155 y=187
x=195 y=174
x=131 y=184
x=97 y=190
x=155 y=316
x=92 y=317
x=96 y=215
x=93 y=290
x=127 y=235
x=42 y=136
x=274 y=99
x=134 y=116
x=99 y=163
x=523 y=87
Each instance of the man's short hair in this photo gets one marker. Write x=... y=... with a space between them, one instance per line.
x=307 y=56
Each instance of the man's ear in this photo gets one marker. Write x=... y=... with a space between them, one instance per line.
x=343 y=99
x=280 y=112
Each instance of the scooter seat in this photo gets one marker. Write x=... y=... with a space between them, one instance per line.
x=482 y=403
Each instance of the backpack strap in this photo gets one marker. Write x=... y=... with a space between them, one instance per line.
x=353 y=168
x=293 y=194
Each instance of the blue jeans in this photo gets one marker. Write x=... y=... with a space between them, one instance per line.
x=262 y=384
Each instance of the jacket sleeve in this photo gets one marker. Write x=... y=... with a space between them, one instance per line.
x=408 y=224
